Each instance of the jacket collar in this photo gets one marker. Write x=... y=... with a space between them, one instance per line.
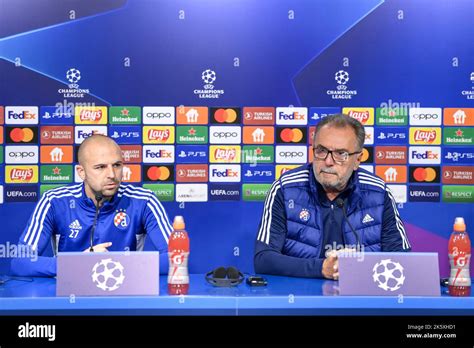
x=108 y=205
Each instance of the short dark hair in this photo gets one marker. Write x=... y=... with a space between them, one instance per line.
x=342 y=121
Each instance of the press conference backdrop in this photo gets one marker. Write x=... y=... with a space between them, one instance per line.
x=212 y=100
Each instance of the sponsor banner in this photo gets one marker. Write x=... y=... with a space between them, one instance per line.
x=158 y=115
x=21 y=193
x=191 y=173
x=369 y=136
x=399 y=193
x=391 y=116
x=57 y=115
x=192 y=154
x=425 y=136
x=21 y=154
x=425 y=116
x=158 y=154
x=56 y=154
x=291 y=154
x=255 y=192
x=21 y=174
x=164 y=192
x=44 y=188
x=1 y=194
x=161 y=173
x=1 y=134
x=131 y=153
x=21 y=135
x=192 y=115
x=367 y=155
x=57 y=135
x=1 y=154
x=225 y=135
x=424 y=193
x=283 y=168
x=125 y=115
x=191 y=193
x=258 y=116
x=2 y=115
x=21 y=115
x=392 y=174
x=158 y=134
x=224 y=173
x=390 y=154
x=292 y=116
x=363 y=115
x=428 y=175
x=192 y=135
x=83 y=132
x=458 y=136
x=391 y=135
x=225 y=115
x=224 y=154
x=258 y=173
x=258 y=135
x=424 y=155
x=258 y=154
x=50 y=174
x=458 y=117
x=293 y=135
x=132 y=173
x=126 y=134
x=458 y=155
x=224 y=192
x=317 y=114
x=90 y=115
x=367 y=167
x=458 y=175
x=458 y=194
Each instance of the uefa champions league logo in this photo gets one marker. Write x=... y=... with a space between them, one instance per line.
x=208 y=76
x=73 y=76
x=341 y=91
x=108 y=275
x=341 y=77
x=388 y=275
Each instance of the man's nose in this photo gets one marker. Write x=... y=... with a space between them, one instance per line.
x=110 y=172
x=329 y=161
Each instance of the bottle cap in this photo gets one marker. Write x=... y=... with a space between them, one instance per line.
x=459 y=225
x=178 y=223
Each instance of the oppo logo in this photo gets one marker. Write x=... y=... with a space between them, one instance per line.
x=425 y=116
x=225 y=135
x=291 y=154
x=158 y=115
x=21 y=154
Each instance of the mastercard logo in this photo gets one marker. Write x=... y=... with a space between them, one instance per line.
x=156 y=173
x=225 y=116
x=21 y=135
x=291 y=135
x=366 y=155
x=427 y=174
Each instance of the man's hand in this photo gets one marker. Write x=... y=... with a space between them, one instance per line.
x=331 y=263
x=100 y=247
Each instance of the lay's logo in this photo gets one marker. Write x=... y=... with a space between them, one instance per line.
x=425 y=136
x=224 y=154
x=363 y=115
x=158 y=135
x=21 y=174
x=91 y=115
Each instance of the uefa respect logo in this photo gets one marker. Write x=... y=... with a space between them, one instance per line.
x=208 y=76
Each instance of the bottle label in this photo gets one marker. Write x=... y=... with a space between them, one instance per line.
x=178 y=270
x=459 y=270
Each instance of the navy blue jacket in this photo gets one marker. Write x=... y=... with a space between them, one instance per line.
x=64 y=216
x=299 y=224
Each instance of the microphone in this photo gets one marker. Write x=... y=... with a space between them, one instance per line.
x=340 y=204
x=98 y=198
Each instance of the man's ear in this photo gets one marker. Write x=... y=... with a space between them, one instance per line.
x=358 y=159
x=80 y=171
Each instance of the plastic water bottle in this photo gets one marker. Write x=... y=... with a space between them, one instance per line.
x=459 y=257
x=178 y=254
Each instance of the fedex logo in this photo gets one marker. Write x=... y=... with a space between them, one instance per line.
x=158 y=154
x=424 y=155
x=292 y=116
x=83 y=132
x=224 y=173
x=21 y=115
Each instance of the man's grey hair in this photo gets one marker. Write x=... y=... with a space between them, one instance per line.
x=342 y=121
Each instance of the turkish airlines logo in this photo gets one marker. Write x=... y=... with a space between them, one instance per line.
x=224 y=154
x=21 y=174
x=458 y=175
x=390 y=154
x=131 y=153
x=21 y=115
x=225 y=135
x=191 y=173
x=259 y=116
x=91 y=115
x=425 y=136
x=158 y=135
x=57 y=135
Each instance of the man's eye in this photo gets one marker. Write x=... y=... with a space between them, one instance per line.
x=117 y=165
x=342 y=153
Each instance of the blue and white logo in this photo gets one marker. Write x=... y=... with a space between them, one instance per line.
x=192 y=154
x=458 y=155
x=258 y=173
x=424 y=193
x=317 y=114
x=305 y=215
x=126 y=134
x=57 y=115
x=224 y=192
x=21 y=193
x=391 y=136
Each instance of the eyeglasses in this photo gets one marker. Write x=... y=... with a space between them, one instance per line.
x=338 y=156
